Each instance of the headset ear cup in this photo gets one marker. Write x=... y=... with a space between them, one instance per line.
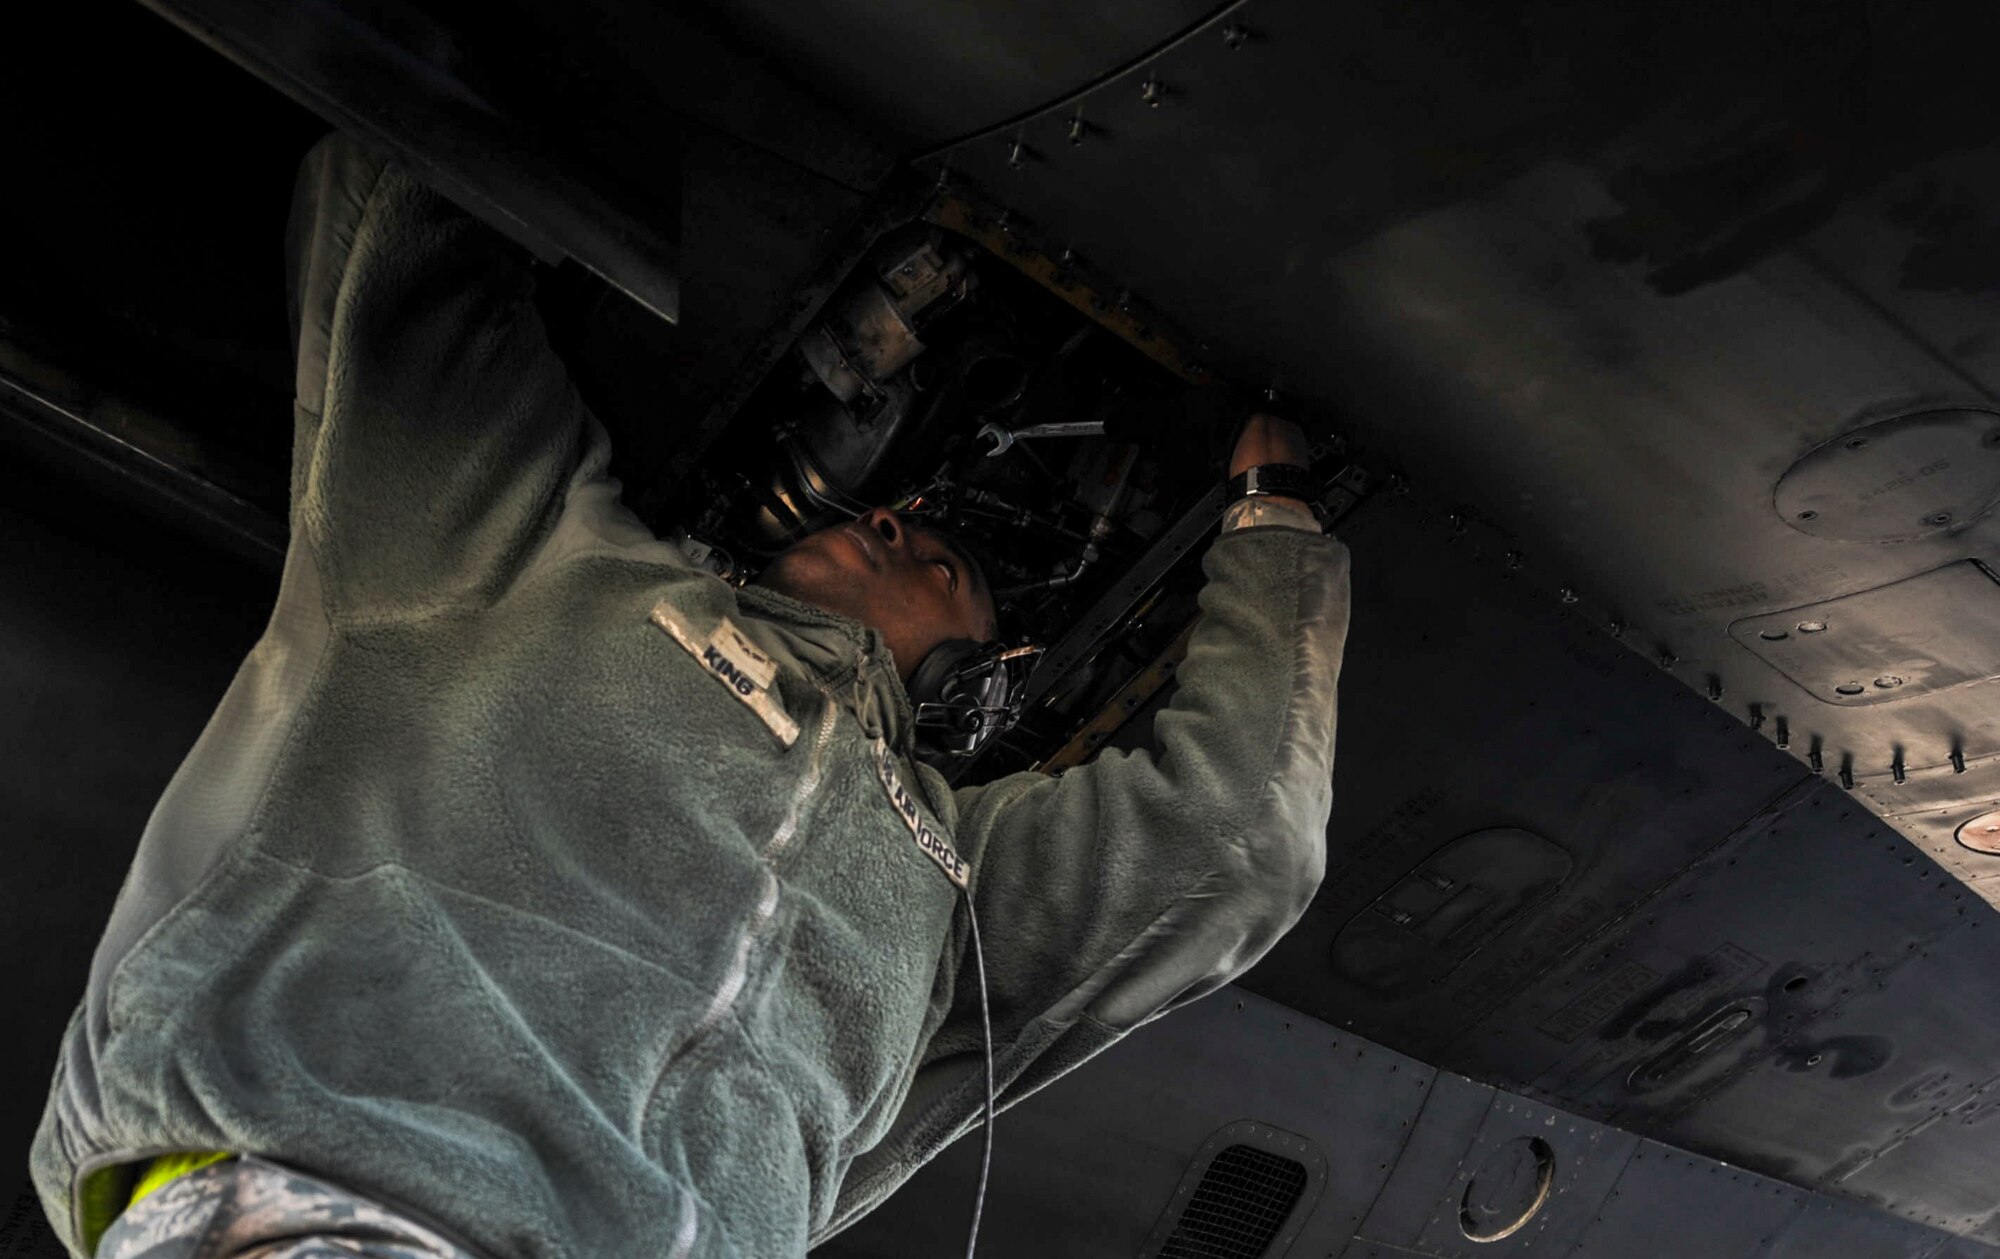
x=935 y=672
x=964 y=693
x=950 y=719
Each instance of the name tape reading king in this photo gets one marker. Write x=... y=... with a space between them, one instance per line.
x=929 y=841
x=733 y=660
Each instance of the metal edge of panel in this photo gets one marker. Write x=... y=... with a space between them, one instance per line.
x=1119 y=71
x=496 y=166
x=139 y=455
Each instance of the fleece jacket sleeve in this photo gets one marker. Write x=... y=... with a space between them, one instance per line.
x=1149 y=878
x=435 y=429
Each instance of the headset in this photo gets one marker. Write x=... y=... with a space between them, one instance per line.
x=967 y=693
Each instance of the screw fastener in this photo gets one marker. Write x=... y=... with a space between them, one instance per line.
x=1153 y=92
x=1235 y=35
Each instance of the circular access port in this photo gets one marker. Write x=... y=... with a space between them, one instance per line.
x=1982 y=834
x=1812 y=627
x=1508 y=1190
x=1849 y=688
x=1888 y=682
x=1774 y=635
x=1895 y=480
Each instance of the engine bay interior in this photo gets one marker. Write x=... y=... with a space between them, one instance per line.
x=1073 y=442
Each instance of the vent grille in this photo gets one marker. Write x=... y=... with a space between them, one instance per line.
x=1239 y=1208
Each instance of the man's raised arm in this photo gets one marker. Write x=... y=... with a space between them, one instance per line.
x=436 y=431
x=1150 y=878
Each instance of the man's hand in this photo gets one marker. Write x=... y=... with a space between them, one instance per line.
x=1268 y=439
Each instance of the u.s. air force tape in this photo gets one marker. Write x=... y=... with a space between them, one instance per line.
x=733 y=660
x=930 y=841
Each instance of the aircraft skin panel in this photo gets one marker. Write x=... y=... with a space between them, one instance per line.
x=1828 y=1228
x=1840 y=941
x=934 y=73
x=1625 y=430
x=1611 y=1195
x=1837 y=989
x=1506 y=710
x=1455 y=1111
x=1589 y=1160
x=1669 y=1200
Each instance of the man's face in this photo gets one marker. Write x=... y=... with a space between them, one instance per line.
x=892 y=575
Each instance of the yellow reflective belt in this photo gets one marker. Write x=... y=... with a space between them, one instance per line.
x=168 y=1168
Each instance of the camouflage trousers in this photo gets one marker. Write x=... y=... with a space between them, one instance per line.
x=247 y=1208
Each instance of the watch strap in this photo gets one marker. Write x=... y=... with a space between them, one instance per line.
x=1281 y=480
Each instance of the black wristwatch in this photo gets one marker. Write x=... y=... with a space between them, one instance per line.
x=1275 y=480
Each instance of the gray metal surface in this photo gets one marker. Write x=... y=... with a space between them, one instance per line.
x=1828 y=1228
x=1078 y=1163
x=1418 y=1187
x=1668 y=1202
x=1896 y=480
x=1888 y=645
x=1474 y=701
x=1462 y=1124
x=1111 y=1142
x=932 y=73
x=1627 y=431
x=1744 y=961
x=1864 y=1022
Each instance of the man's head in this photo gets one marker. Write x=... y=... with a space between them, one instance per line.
x=893 y=575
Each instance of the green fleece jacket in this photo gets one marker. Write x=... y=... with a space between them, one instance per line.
x=486 y=896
